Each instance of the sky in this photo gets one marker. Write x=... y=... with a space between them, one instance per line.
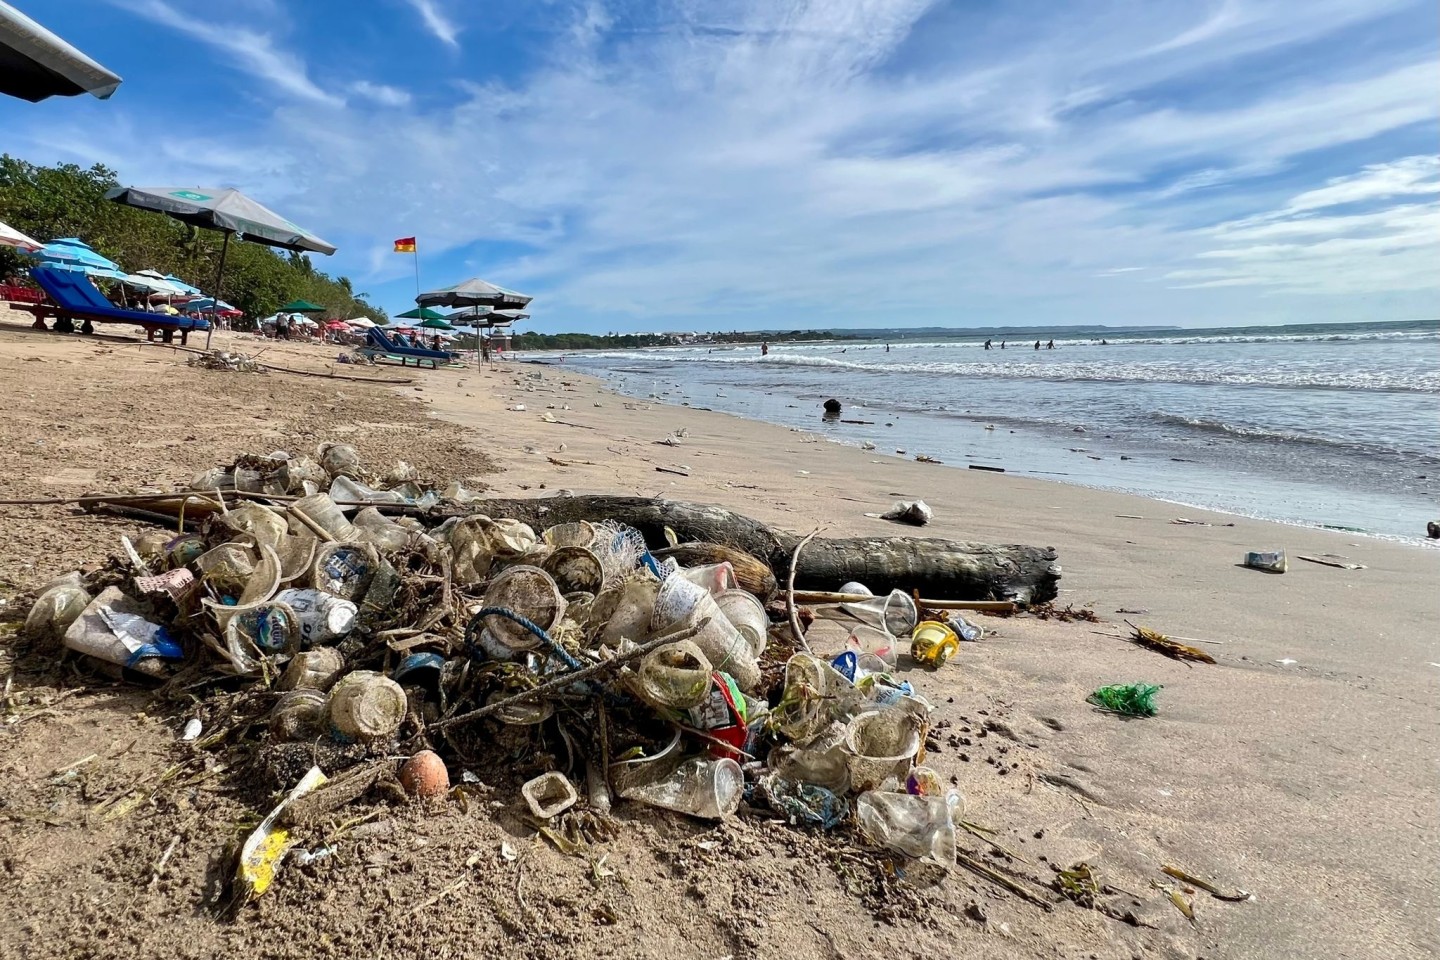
x=763 y=164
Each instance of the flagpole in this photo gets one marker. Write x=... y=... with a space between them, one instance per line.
x=416 y=254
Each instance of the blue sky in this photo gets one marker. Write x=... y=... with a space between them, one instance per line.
x=763 y=163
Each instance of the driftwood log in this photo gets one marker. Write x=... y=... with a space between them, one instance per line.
x=938 y=569
x=943 y=569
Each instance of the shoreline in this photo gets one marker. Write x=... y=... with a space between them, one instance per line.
x=1023 y=446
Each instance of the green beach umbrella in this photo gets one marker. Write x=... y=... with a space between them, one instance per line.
x=301 y=306
x=420 y=313
x=436 y=325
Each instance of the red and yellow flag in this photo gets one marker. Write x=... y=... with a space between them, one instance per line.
x=405 y=245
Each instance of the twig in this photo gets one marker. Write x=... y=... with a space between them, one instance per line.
x=975 y=866
x=164 y=859
x=568 y=679
x=310 y=525
x=441 y=895
x=790 y=610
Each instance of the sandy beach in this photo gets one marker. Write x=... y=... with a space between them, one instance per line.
x=1301 y=767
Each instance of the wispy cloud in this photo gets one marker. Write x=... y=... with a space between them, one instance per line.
x=437 y=22
x=251 y=50
x=763 y=161
x=381 y=93
x=1361 y=233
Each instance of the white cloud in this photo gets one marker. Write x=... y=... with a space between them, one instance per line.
x=252 y=51
x=760 y=161
x=1320 y=243
x=437 y=22
x=381 y=93
x=1381 y=181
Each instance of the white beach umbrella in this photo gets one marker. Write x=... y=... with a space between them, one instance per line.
x=10 y=237
x=160 y=285
x=365 y=323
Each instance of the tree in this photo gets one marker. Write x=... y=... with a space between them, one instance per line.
x=69 y=201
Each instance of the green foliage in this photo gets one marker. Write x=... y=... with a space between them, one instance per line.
x=585 y=341
x=69 y=201
x=1133 y=700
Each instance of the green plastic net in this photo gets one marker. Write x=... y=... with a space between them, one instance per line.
x=1133 y=699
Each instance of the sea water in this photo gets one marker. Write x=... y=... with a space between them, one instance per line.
x=1325 y=425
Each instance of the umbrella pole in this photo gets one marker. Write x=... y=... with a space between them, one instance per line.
x=219 y=283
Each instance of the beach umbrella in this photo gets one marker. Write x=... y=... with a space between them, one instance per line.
x=10 y=237
x=302 y=306
x=364 y=323
x=152 y=283
x=184 y=287
x=474 y=293
x=485 y=317
x=35 y=64
x=435 y=325
x=228 y=211
x=202 y=304
x=420 y=313
x=72 y=253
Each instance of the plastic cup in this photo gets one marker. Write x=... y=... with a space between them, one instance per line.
x=747 y=615
x=882 y=744
x=700 y=787
x=365 y=705
x=875 y=641
x=674 y=677
x=895 y=612
x=714 y=577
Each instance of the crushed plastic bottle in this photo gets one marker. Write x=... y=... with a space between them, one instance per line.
x=709 y=789
x=1271 y=561
x=915 y=826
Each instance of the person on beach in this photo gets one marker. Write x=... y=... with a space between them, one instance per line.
x=484 y=351
x=1050 y=345
x=987 y=344
x=1002 y=344
x=1037 y=344
x=764 y=349
x=282 y=326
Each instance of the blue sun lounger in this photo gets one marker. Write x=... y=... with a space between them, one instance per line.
x=73 y=297
x=379 y=345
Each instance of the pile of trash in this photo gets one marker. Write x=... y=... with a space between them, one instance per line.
x=338 y=633
x=225 y=360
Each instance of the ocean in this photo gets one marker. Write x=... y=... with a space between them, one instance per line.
x=1334 y=425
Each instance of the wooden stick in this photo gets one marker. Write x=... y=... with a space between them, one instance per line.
x=567 y=679
x=790 y=610
x=822 y=596
x=325 y=535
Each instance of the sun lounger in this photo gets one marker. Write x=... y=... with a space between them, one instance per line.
x=73 y=297
x=379 y=345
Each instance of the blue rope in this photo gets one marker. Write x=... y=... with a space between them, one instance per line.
x=555 y=649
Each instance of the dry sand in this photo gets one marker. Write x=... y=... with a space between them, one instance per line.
x=1301 y=767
